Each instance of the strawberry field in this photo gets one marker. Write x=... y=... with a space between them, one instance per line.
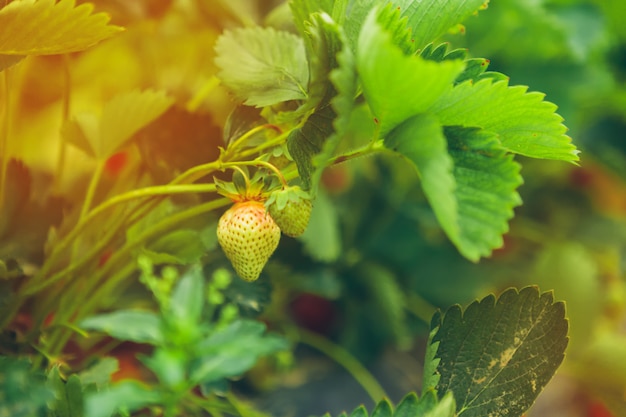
x=265 y=208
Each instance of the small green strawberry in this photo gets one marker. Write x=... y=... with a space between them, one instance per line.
x=248 y=235
x=291 y=210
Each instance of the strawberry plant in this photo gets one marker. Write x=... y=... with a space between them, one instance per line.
x=167 y=206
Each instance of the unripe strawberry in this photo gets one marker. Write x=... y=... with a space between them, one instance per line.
x=291 y=210
x=248 y=235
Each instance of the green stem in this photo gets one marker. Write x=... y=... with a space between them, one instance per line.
x=421 y=308
x=345 y=359
x=91 y=190
x=155 y=191
x=243 y=138
x=98 y=288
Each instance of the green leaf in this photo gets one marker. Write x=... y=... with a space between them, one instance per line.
x=126 y=396
x=182 y=247
x=410 y=406
x=23 y=393
x=121 y=118
x=303 y=9
x=421 y=140
x=45 y=27
x=398 y=86
x=312 y=145
x=322 y=239
x=324 y=40
x=430 y=377
x=232 y=350
x=344 y=80
x=69 y=395
x=429 y=19
x=382 y=409
x=263 y=66
x=130 y=325
x=188 y=297
x=497 y=355
x=469 y=180
x=99 y=374
x=487 y=179
x=526 y=124
x=306 y=142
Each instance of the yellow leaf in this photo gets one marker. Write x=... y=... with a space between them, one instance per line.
x=43 y=27
x=121 y=118
x=7 y=60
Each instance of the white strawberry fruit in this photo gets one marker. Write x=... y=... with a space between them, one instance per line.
x=249 y=236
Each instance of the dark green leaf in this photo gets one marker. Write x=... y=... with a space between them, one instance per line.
x=497 y=355
x=382 y=409
x=306 y=142
x=23 y=393
x=125 y=396
x=526 y=124
x=430 y=378
x=69 y=395
x=359 y=412
x=398 y=86
x=408 y=407
x=130 y=325
x=99 y=374
x=263 y=66
x=232 y=350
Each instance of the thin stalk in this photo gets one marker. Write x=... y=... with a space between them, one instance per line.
x=346 y=360
x=155 y=191
x=98 y=289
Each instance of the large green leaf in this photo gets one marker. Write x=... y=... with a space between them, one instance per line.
x=497 y=355
x=486 y=182
x=398 y=86
x=263 y=66
x=468 y=179
x=526 y=124
x=421 y=140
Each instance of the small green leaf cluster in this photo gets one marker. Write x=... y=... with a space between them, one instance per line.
x=190 y=349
